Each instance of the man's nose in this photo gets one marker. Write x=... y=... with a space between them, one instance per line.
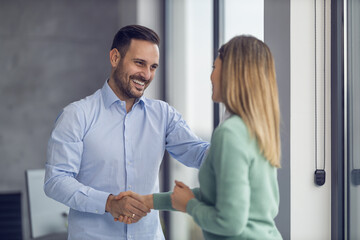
x=147 y=73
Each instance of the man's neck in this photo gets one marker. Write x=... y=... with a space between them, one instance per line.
x=129 y=102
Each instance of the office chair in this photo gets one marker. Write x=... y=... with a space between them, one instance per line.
x=10 y=216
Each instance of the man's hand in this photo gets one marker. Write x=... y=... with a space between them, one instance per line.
x=133 y=209
x=181 y=196
x=147 y=200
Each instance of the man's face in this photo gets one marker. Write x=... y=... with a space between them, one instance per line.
x=136 y=69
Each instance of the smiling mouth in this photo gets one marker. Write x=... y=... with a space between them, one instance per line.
x=138 y=82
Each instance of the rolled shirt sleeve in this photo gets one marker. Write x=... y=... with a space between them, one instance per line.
x=64 y=154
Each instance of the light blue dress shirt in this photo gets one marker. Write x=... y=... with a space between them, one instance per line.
x=97 y=148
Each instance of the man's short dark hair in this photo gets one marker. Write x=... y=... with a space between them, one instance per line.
x=124 y=36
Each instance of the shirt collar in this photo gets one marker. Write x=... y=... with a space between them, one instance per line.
x=109 y=97
x=141 y=101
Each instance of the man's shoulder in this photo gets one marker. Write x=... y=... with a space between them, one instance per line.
x=157 y=104
x=161 y=108
x=154 y=102
x=88 y=103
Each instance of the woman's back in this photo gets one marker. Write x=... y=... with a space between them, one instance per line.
x=240 y=183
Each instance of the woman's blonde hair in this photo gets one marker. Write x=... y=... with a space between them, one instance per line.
x=249 y=89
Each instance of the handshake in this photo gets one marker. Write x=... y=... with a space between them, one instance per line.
x=129 y=207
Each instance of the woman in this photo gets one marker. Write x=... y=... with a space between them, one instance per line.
x=238 y=197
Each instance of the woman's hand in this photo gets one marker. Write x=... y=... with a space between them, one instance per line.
x=181 y=196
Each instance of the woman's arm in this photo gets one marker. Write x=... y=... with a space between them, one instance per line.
x=158 y=201
x=230 y=163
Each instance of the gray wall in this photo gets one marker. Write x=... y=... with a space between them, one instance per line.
x=51 y=53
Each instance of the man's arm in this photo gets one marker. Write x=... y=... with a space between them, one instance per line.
x=65 y=149
x=64 y=152
x=147 y=200
x=126 y=206
x=182 y=143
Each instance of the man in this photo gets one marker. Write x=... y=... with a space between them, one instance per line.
x=114 y=141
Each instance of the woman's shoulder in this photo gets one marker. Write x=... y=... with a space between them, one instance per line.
x=233 y=125
x=232 y=129
x=234 y=119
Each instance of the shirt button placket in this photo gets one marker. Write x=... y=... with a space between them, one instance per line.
x=128 y=150
x=129 y=165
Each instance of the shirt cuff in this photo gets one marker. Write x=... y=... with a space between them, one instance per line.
x=162 y=201
x=97 y=201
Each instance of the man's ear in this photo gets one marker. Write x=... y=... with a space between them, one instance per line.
x=114 y=57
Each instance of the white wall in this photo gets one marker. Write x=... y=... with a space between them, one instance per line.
x=310 y=204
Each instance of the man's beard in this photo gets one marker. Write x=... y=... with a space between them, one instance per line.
x=123 y=85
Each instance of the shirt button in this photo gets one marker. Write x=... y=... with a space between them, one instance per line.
x=129 y=186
